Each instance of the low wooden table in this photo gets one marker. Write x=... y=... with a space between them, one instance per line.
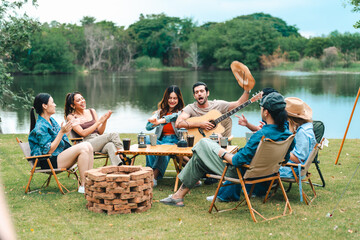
x=166 y=150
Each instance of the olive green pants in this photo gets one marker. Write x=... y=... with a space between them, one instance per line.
x=205 y=159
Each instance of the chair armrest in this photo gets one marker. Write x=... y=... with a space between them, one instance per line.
x=293 y=165
x=76 y=139
x=39 y=156
x=244 y=165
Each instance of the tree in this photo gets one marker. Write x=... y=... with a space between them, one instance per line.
x=193 y=56
x=99 y=42
x=15 y=33
x=356 y=8
x=316 y=46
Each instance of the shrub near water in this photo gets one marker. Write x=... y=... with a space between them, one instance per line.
x=146 y=62
x=309 y=65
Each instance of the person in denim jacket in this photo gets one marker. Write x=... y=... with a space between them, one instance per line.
x=164 y=123
x=47 y=137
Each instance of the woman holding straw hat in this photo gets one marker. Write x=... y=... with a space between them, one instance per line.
x=300 y=122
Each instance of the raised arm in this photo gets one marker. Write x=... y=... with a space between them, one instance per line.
x=244 y=97
x=64 y=129
x=85 y=132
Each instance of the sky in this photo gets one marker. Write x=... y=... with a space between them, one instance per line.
x=311 y=17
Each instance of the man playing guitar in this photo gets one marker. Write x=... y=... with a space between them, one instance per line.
x=203 y=106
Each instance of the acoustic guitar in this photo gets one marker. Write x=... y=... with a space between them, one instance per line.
x=215 y=117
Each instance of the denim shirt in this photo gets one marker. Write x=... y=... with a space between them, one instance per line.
x=168 y=118
x=245 y=154
x=43 y=135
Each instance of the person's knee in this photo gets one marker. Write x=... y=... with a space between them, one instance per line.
x=88 y=147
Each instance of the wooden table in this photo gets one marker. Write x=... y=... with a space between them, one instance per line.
x=166 y=150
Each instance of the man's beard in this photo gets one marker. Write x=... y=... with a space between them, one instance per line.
x=204 y=101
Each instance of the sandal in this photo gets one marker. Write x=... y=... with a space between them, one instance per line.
x=173 y=202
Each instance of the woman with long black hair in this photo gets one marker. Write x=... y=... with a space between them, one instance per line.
x=47 y=137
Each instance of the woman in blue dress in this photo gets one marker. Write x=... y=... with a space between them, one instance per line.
x=163 y=121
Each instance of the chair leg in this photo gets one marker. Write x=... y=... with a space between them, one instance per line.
x=31 y=176
x=217 y=190
x=287 y=203
x=246 y=196
x=56 y=179
x=106 y=160
x=320 y=174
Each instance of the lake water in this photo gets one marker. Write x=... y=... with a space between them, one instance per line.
x=133 y=96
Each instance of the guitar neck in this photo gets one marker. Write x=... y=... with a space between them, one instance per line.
x=235 y=110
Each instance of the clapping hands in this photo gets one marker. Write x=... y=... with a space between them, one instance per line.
x=67 y=127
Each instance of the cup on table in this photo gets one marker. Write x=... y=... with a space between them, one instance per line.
x=126 y=143
x=190 y=140
x=248 y=136
x=153 y=139
x=223 y=142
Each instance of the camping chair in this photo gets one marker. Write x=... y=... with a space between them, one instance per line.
x=319 y=129
x=33 y=161
x=304 y=174
x=74 y=138
x=264 y=167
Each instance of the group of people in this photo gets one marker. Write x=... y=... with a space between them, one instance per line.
x=280 y=118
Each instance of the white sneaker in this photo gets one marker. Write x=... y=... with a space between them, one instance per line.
x=155 y=182
x=81 y=189
x=210 y=198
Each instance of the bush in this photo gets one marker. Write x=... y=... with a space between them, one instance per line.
x=146 y=62
x=309 y=65
x=293 y=56
x=330 y=56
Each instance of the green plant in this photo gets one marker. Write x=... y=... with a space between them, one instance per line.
x=309 y=65
x=293 y=56
x=146 y=62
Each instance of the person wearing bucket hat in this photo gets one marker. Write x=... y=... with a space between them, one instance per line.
x=300 y=122
x=208 y=155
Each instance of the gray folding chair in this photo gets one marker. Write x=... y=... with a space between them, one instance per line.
x=34 y=160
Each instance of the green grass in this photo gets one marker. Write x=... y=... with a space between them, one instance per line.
x=50 y=215
x=298 y=66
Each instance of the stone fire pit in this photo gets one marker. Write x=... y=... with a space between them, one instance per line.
x=119 y=189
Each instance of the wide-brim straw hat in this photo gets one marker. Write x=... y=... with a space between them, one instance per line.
x=242 y=75
x=296 y=107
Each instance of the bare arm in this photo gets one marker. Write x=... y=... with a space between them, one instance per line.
x=242 y=121
x=64 y=129
x=182 y=123
x=244 y=97
x=228 y=156
x=85 y=132
x=102 y=126
x=294 y=158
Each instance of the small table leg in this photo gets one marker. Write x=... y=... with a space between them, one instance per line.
x=178 y=169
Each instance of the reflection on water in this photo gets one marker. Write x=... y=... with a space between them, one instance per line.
x=134 y=96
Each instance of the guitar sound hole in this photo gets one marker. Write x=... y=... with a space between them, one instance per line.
x=213 y=122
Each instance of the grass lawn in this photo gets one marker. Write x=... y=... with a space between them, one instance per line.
x=50 y=215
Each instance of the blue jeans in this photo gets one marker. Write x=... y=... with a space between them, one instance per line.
x=160 y=162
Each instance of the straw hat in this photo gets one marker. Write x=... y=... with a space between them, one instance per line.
x=296 y=107
x=242 y=75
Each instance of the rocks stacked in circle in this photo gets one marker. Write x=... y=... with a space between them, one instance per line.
x=119 y=189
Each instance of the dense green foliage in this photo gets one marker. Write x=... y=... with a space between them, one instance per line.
x=15 y=32
x=258 y=40
x=58 y=48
